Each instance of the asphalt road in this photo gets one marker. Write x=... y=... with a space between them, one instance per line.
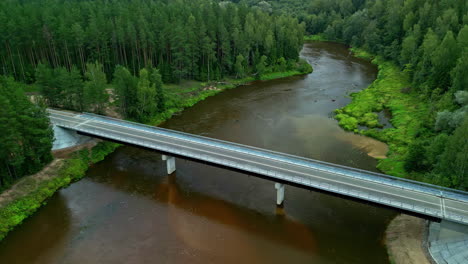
x=401 y=195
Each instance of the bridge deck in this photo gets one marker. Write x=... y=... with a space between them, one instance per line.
x=403 y=194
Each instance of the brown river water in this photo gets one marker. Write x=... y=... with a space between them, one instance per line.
x=127 y=210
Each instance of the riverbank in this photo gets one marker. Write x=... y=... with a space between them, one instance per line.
x=404 y=240
x=26 y=196
x=31 y=192
x=182 y=96
x=390 y=91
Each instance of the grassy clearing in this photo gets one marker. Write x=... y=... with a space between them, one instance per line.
x=407 y=109
x=33 y=193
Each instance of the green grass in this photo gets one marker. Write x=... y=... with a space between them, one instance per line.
x=73 y=169
x=322 y=37
x=188 y=93
x=317 y=37
x=178 y=96
x=408 y=109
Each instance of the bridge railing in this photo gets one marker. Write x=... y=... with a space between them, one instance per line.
x=289 y=158
x=82 y=123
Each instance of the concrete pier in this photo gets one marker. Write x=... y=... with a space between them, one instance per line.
x=279 y=194
x=405 y=195
x=170 y=163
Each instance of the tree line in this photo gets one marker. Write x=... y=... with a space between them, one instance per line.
x=199 y=39
x=428 y=39
x=84 y=54
x=137 y=97
x=26 y=137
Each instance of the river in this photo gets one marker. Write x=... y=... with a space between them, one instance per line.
x=127 y=210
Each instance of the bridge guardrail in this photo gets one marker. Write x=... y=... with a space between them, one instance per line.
x=364 y=195
x=436 y=190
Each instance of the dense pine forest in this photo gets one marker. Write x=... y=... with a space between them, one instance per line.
x=26 y=138
x=428 y=40
x=87 y=55
x=200 y=39
x=80 y=53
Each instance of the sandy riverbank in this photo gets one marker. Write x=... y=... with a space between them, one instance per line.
x=404 y=239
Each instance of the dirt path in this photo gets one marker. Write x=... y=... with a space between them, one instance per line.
x=28 y=183
x=404 y=238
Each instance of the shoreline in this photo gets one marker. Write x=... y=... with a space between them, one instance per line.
x=405 y=240
x=206 y=90
x=405 y=236
x=25 y=197
x=389 y=92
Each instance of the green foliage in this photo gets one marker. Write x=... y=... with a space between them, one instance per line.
x=72 y=170
x=444 y=59
x=304 y=66
x=146 y=96
x=453 y=164
x=261 y=67
x=125 y=88
x=427 y=38
x=448 y=121
x=347 y=122
x=95 y=96
x=239 y=66
x=386 y=93
x=440 y=157
x=317 y=37
x=26 y=138
x=459 y=75
x=60 y=87
x=186 y=39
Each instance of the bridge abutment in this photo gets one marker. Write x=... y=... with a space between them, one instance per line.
x=279 y=194
x=170 y=163
x=66 y=138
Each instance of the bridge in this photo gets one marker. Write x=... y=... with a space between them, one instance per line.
x=402 y=194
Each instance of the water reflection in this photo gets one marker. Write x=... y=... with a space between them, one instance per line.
x=128 y=211
x=40 y=237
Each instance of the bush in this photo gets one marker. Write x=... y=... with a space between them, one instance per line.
x=347 y=122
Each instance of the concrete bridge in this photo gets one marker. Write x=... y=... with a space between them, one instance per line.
x=418 y=198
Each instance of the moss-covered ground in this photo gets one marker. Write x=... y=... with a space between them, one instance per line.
x=386 y=92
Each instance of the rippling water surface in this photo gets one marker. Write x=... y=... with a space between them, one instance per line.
x=127 y=210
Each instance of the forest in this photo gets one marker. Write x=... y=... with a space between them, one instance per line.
x=80 y=53
x=26 y=137
x=428 y=40
x=89 y=55
x=199 y=39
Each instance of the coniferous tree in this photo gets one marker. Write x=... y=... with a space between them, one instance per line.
x=26 y=138
x=95 y=95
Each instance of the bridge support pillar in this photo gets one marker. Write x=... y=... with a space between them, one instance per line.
x=170 y=163
x=279 y=194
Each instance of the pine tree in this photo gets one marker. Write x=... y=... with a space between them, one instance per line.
x=125 y=85
x=444 y=59
x=454 y=161
x=95 y=95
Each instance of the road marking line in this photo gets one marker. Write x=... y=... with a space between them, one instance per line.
x=266 y=165
x=251 y=154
